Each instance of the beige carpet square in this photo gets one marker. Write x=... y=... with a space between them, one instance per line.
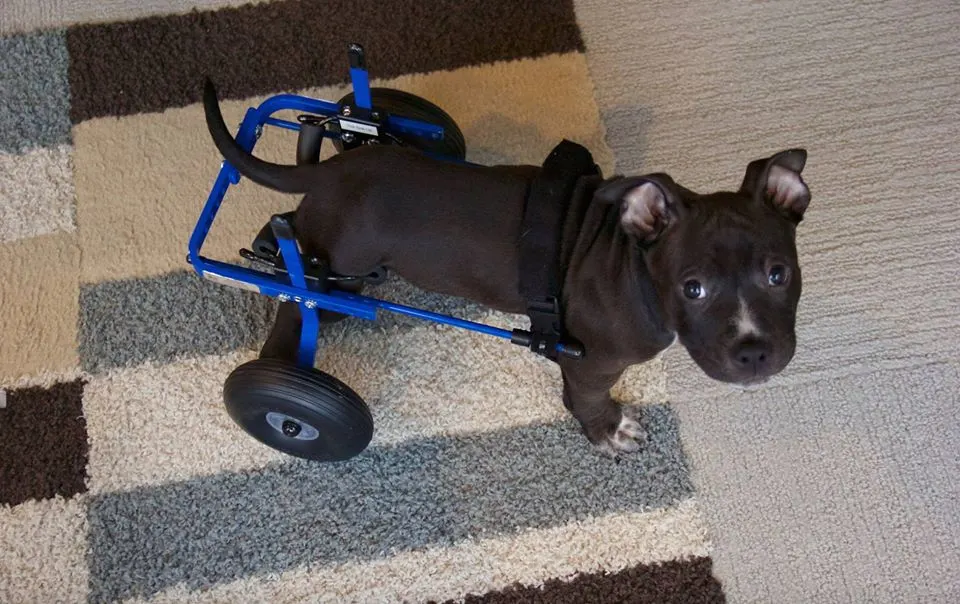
x=44 y=545
x=38 y=305
x=36 y=193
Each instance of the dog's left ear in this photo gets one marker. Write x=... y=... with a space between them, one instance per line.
x=777 y=180
x=648 y=204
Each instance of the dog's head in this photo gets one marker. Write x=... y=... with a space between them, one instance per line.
x=724 y=264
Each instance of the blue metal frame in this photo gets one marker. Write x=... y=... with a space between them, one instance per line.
x=295 y=287
x=361 y=87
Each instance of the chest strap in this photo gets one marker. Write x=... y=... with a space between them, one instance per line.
x=541 y=276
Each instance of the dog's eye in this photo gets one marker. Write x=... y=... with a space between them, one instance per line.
x=777 y=275
x=693 y=290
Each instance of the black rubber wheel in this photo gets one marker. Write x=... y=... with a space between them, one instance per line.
x=417 y=108
x=301 y=412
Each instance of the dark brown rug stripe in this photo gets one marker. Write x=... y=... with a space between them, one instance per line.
x=43 y=443
x=156 y=63
x=688 y=581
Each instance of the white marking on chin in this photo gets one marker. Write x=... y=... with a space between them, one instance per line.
x=749 y=386
x=745 y=323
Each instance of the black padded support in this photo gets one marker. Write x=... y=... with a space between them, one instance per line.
x=541 y=278
x=358 y=58
x=309 y=141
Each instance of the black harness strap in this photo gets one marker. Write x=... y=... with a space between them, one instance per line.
x=541 y=276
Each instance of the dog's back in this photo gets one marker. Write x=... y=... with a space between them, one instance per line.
x=426 y=219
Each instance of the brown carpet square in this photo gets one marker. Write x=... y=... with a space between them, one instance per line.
x=43 y=443
x=685 y=581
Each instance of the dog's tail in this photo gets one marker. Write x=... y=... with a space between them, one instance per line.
x=284 y=178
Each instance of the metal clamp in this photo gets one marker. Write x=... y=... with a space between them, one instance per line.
x=545 y=336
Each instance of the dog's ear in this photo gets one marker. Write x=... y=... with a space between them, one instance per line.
x=776 y=180
x=648 y=204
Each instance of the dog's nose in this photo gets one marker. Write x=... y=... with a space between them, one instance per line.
x=753 y=357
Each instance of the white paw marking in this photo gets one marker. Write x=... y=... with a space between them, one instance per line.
x=745 y=323
x=628 y=438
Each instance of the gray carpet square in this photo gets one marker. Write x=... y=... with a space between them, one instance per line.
x=128 y=322
x=34 y=91
x=435 y=491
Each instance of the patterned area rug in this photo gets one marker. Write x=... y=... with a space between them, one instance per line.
x=121 y=476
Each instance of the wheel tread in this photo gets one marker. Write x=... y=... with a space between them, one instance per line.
x=262 y=384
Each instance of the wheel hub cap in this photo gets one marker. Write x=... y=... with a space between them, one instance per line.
x=292 y=427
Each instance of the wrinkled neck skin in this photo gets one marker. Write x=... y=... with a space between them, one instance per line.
x=611 y=304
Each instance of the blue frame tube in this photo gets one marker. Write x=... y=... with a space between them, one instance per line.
x=309 y=316
x=361 y=87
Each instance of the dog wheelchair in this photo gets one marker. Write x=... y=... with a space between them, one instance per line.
x=294 y=407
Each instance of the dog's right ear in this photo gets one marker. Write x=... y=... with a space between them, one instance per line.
x=648 y=204
x=776 y=180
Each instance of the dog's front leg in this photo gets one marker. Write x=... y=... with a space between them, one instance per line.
x=586 y=394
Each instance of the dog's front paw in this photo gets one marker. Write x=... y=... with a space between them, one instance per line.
x=628 y=437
